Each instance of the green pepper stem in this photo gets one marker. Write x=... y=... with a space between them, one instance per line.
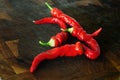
x=44 y=43
x=70 y=30
x=48 y=5
x=33 y=21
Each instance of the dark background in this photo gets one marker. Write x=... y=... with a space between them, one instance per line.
x=16 y=18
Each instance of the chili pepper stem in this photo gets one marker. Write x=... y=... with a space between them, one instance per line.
x=48 y=5
x=33 y=21
x=44 y=43
x=49 y=43
x=70 y=30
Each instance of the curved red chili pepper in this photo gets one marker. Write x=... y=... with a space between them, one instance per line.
x=61 y=37
x=69 y=50
x=56 y=40
x=52 y=20
x=55 y=12
x=94 y=50
x=96 y=33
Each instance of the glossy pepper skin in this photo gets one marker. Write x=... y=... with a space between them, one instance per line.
x=51 y=20
x=55 y=12
x=92 y=51
x=61 y=37
x=69 y=50
x=96 y=33
x=56 y=40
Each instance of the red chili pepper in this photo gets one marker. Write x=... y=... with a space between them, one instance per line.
x=56 y=40
x=69 y=50
x=52 y=20
x=55 y=12
x=61 y=37
x=92 y=51
x=96 y=33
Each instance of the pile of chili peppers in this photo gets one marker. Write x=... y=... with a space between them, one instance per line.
x=89 y=47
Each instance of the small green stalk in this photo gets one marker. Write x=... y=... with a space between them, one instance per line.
x=50 y=43
x=70 y=30
x=44 y=43
x=48 y=5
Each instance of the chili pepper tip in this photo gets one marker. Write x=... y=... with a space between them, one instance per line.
x=48 y=5
x=97 y=32
x=31 y=71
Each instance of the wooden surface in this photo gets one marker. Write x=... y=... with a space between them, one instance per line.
x=19 y=40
